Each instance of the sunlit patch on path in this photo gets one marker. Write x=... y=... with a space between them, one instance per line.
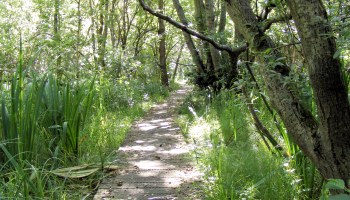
x=158 y=162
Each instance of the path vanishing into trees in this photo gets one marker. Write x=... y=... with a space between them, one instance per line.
x=156 y=159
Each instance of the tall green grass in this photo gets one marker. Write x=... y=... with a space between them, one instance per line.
x=20 y=109
x=43 y=105
x=236 y=162
x=48 y=123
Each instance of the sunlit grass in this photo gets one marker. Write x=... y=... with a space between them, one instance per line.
x=236 y=163
x=48 y=123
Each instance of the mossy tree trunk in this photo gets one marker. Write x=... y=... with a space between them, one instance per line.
x=325 y=142
x=332 y=141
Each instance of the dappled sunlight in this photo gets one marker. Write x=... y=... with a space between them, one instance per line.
x=157 y=120
x=176 y=151
x=157 y=160
x=148 y=127
x=138 y=147
x=201 y=128
x=160 y=112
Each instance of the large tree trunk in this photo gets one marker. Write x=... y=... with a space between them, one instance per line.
x=297 y=119
x=333 y=141
x=162 y=46
x=327 y=146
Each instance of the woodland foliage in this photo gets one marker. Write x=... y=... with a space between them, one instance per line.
x=273 y=74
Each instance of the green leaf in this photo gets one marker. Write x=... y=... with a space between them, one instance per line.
x=340 y=197
x=336 y=184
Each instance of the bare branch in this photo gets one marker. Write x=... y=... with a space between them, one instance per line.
x=184 y=28
x=266 y=24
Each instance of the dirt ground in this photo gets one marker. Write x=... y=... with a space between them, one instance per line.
x=157 y=163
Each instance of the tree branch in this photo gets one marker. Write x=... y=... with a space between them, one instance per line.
x=184 y=28
x=266 y=10
x=266 y=24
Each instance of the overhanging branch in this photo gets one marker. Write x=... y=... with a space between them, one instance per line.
x=268 y=22
x=184 y=28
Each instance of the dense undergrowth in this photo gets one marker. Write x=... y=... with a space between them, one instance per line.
x=59 y=136
x=236 y=161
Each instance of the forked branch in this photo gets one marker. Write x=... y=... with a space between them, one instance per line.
x=184 y=28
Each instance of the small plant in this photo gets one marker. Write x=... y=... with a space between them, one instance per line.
x=336 y=186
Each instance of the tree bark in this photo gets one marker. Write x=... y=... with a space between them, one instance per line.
x=102 y=32
x=177 y=63
x=113 y=19
x=214 y=53
x=222 y=23
x=202 y=27
x=77 y=51
x=93 y=35
x=298 y=120
x=57 y=37
x=326 y=143
x=189 y=42
x=162 y=47
x=332 y=141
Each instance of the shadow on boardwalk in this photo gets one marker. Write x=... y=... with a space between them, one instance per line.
x=157 y=161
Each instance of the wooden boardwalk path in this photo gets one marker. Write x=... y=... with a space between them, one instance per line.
x=158 y=164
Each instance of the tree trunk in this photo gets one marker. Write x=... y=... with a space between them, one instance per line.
x=298 y=120
x=201 y=80
x=326 y=144
x=229 y=68
x=222 y=23
x=162 y=47
x=214 y=53
x=93 y=35
x=332 y=141
x=113 y=19
x=189 y=42
x=57 y=37
x=200 y=17
x=177 y=63
x=102 y=33
x=77 y=51
x=124 y=32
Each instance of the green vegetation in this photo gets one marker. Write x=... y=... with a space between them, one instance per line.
x=236 y=162
x=47 y=124
x=272 y=105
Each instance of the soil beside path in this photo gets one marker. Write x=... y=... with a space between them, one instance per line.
x=156 y=156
